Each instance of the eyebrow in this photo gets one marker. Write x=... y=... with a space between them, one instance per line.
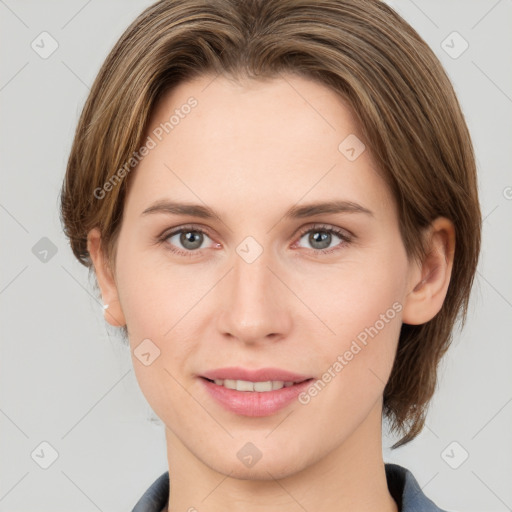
x=295 y=212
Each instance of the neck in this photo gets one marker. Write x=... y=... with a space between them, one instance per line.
x=350 y=478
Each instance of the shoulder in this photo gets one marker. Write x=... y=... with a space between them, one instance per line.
x=406 y=491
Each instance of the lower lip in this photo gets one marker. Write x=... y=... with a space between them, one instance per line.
x=254 y=403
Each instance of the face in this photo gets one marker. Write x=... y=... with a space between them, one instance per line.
x=265 y=281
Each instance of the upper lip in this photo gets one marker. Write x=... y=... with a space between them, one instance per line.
x=259 y=375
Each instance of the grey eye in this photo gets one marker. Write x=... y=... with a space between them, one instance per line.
x=188 y=239
x=320 y=239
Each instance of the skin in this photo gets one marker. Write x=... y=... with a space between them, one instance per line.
x=250 y=151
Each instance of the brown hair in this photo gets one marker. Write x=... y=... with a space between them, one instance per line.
x=362 y=50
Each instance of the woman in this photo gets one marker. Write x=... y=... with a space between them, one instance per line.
x=279 y=202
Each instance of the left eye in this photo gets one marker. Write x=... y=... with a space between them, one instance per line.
x=320 y=239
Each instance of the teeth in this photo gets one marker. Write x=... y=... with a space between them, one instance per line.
x=245 y=385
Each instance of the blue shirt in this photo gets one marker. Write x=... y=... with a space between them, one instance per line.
x=401 y=484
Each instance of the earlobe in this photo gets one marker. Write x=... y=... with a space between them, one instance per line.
x=113 y=312
x=431 y=278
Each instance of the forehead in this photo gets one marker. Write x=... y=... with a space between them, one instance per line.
x=257 y=114
x=285 y=137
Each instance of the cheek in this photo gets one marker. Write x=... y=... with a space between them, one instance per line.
x=361 y=304
x=357 y=295
x=164 y=303
x=158 y=304
x=154 y=294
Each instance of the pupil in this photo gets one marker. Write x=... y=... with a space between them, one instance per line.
x=314 y=239
x=187 y=239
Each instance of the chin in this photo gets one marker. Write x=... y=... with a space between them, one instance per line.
x=262 y=470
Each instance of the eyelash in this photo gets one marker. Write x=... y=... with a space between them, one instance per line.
x=342 y=234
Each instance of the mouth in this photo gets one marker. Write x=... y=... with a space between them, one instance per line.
x=254 y=398
x=251 y=386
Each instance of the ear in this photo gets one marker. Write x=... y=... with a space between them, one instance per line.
x=104 y=275
x=429 y=280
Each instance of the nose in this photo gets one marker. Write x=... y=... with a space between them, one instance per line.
x=254 y=302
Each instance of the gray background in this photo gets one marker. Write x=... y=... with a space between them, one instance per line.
x=66 y=379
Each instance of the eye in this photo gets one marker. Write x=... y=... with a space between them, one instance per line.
x=186 y=240
x=321 y=237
